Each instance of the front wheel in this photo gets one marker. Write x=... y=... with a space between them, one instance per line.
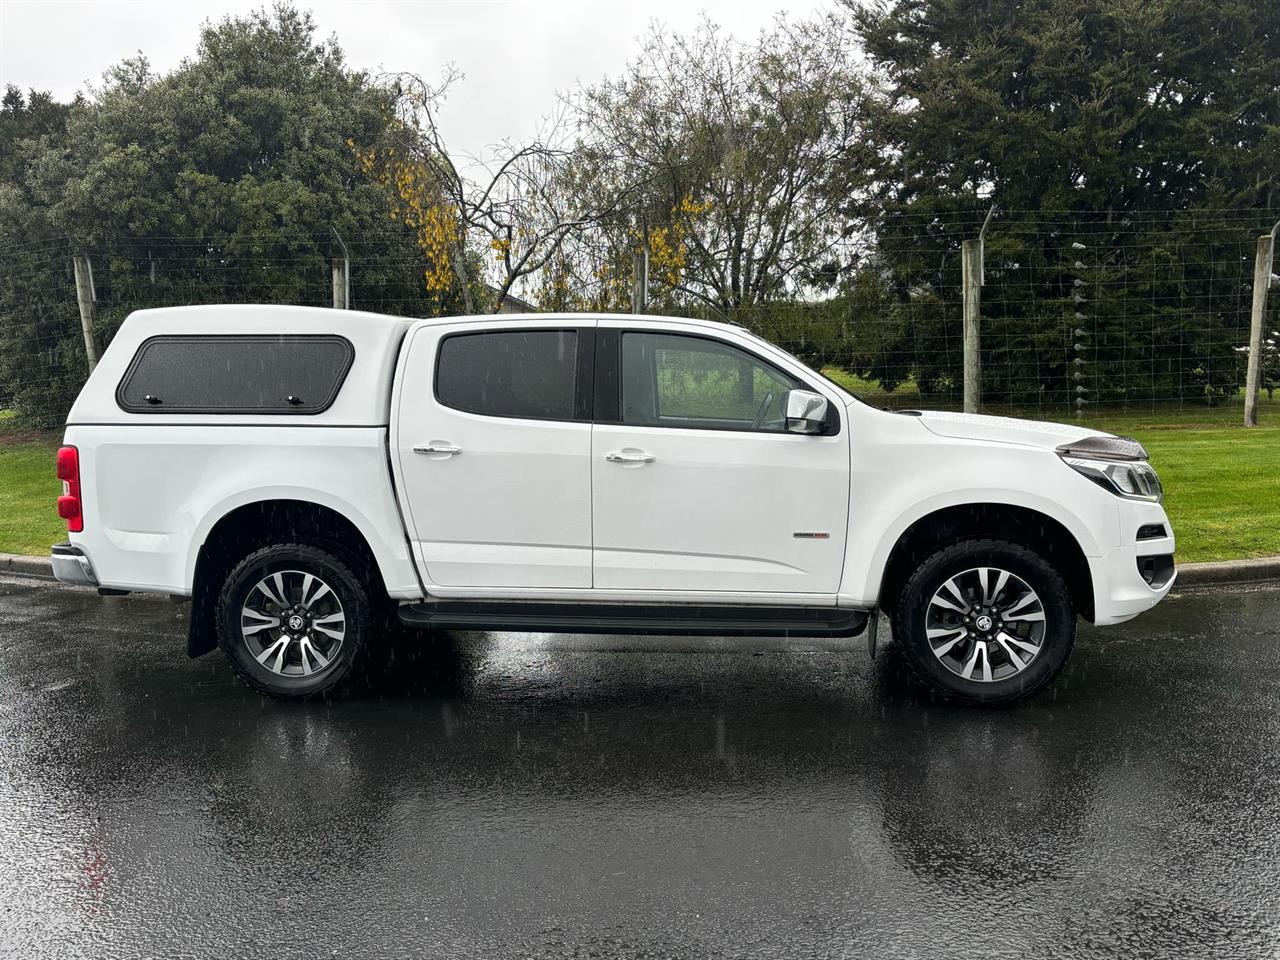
x=293 y=620
x=986 y=621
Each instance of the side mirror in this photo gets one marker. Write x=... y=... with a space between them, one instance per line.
x=806 y=412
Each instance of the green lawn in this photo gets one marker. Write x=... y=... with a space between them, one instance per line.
x=1222 y=482
x=28 y=493
x=1222 y=488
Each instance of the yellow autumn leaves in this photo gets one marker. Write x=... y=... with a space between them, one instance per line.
x=416 y=201
x=668 y=244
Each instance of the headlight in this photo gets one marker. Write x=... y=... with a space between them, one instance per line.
x=1126 y=478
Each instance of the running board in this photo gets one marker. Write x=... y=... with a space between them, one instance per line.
x=680 y=619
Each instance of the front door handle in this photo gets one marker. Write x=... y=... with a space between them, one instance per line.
x=446 y=448
x=629 y=457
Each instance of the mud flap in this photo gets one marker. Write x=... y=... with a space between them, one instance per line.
x=873 y=625
x=202 y=636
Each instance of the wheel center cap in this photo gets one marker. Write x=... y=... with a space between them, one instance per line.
x=983 y=623
x=296 y=623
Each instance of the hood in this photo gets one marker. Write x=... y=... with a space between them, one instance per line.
x=971 y=426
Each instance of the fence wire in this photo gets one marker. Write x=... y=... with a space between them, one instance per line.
x=1078 y=315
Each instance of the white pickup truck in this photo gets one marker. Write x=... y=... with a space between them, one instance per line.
x=304 y=475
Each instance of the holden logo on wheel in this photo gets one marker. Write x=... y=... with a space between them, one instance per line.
x=983 y=623
x=296 y=623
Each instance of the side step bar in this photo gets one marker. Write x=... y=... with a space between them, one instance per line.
x=696 y=620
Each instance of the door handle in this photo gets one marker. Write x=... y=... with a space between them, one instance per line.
x=629 y=457
x=447 y=448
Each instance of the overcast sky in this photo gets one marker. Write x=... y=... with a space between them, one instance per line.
x=516 y=54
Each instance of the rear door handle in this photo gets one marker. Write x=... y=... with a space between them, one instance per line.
x=446 y=448
x=629 y=457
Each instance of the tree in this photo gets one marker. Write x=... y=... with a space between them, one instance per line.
x=24 y=119
x=222 y=181
x=503 y=221
x=1117 y=138
x=29 y=279
x=733 y=159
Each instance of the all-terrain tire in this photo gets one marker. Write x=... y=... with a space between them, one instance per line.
x=960 y=560
x=253 y=648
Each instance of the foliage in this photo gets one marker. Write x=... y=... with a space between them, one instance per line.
x=728 y=160
x=241 y=151
x=814 y=183
x=1111 y=136
x=417 y=201
x=516 y=209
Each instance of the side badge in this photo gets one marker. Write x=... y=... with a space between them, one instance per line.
x=806 y=535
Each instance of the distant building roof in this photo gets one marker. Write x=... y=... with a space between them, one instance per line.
x=511 y=303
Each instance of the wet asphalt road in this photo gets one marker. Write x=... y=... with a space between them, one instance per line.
x=522 y=795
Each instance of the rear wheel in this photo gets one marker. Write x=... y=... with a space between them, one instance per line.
x=986 y=621
x=294 y=620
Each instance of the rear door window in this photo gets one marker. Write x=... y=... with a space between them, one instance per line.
x=525 y=374
x=250 y=374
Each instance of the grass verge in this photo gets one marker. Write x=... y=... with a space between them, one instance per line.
x=28 y=492
x=1222 y=488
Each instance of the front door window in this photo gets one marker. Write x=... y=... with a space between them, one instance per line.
x=670 y=380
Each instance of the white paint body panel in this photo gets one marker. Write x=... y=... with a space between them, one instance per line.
x=513 y=508
x=155 y=484
x=151 y=495
x=530 y=509
x=718 y=510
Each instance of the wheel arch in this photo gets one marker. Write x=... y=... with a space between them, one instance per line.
x=1025 y=526
x=259 y=523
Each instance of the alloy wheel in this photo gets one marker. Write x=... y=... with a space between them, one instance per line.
x=985 y=624
x=293 y=623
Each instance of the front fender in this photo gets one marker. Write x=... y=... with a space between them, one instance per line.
x=890 y=499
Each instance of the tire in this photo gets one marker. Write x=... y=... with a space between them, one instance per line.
x=310 y=650
x=992 y=594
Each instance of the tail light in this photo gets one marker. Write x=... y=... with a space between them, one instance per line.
x=70 y=508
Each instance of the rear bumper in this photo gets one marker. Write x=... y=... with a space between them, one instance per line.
x=71 y=565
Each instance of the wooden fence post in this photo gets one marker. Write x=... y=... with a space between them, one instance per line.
x=341 y=276
x=640 y=282
x=85 y=299
x=970 y=254
x=972 y=277
x=1261 y=280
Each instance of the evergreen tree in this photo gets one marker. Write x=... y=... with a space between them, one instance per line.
x=219 y=182
x=1133 y=151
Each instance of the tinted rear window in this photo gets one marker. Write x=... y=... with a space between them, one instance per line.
x=236 y=374
x=530 y=374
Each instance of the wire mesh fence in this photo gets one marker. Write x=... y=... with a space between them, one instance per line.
x=1079 y=313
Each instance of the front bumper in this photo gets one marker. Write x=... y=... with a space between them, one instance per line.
x=1136 y=575
x=70 y=565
